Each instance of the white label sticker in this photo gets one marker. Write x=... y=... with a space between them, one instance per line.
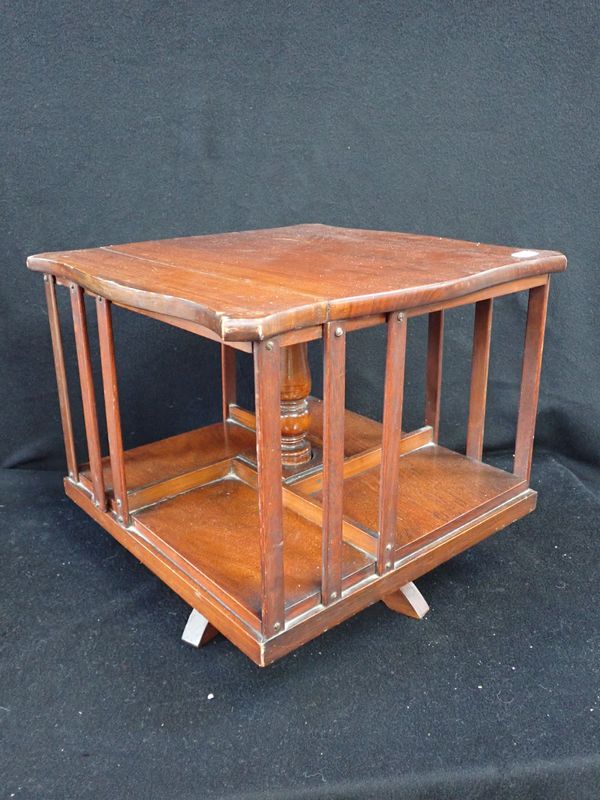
x=525 y=254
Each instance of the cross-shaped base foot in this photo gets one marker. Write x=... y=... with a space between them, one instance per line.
x=198 y=630
x=407 y=600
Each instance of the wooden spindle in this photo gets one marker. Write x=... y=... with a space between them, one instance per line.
x=111 y=404
x=334 y=391
x=228 y=379
x=530 y=379
x=433 y=380
x=295 y=414
x=61 y=377
x=270 y=503
x=390 y=446
x=88 y=396
x=479 y=377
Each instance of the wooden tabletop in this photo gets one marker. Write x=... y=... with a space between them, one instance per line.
x=254 y=284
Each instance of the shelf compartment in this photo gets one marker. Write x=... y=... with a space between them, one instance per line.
x=150 y=466
x=300 y=629
x=362 y=443
x=212 y=533
x=360 y=433
x=179 y=463
x=440 y=490
x=197 y=504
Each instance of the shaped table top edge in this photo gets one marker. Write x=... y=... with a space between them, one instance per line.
x=303 y=309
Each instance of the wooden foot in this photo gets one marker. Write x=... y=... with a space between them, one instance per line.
x=198 y=630
x=407 y=600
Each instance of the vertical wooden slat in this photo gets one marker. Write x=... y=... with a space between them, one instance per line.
x=334 y=392
x=479 y=377
x=228 y=379
x=390 y=446
x=433 y=382
x=88 y=396
x=111 y=405
x=61 y=377
x=270 y=503
x=530 y=379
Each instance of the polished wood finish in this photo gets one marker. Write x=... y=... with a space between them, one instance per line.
x=195 y=592
x=271 y=553
x=270 y=504
x=463 y=488
x=334 y=400
x=530 y=379
x=390 y=449
x=422 y=561
x=360 y=433
x=228 y=380
x=433 y=375
x=186 y=325
x=482 y=336
x=171 y=487
x=298 y=632
x=295 y=413
x=88 y=395
x=61 y=378
x=312 y=510
x=289 y=338
x=227 y=549
x=256 y=284
x=503 y=289
x=111 y=407
x=152 y=465
x=362 y=461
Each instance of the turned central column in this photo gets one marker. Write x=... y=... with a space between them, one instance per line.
x=295 y=416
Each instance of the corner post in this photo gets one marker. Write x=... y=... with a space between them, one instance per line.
x=530 y=378
x=270 y=500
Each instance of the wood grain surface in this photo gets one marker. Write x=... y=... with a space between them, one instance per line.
x=254 y=284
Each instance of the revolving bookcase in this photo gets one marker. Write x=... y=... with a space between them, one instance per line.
x=277 y=524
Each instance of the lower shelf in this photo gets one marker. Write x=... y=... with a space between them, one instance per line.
x=213 y=531
x=439 y=490
x=194 y=521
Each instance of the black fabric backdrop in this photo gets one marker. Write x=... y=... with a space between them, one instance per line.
x=123 y=122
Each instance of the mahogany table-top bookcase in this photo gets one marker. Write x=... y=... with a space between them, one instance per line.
x=277 y=524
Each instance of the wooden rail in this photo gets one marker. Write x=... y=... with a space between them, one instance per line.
x=270 y=504
x=530 y=378
x=228 y=379
x=390 y=449
x=88 y=397
x=433 y=377
x=334 y=391
x=111 y=405
x=61 y=378
x=479 y=377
